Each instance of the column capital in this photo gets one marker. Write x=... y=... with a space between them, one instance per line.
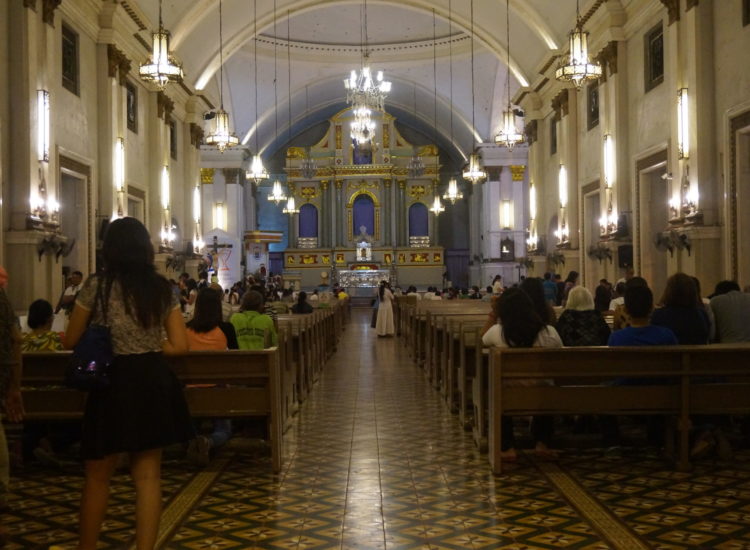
x=518 y=172
x=207 y=176
x=48 y=11
x=164 y=106
x=691 y=4
x=560 y=104
x=29 y=4
x=196 y=135
x=324 y=184
x=673 y=9
x=339 y=183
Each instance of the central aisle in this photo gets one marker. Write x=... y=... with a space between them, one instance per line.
x=375 y=460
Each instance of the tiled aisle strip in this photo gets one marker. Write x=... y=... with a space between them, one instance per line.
x=183 y=503
x=606 y=523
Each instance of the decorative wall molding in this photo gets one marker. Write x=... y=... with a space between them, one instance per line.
x=207 y=176
x=518 y=172
x=532 y=132
x=117 y=62
x=29 y=4
x=691 y=4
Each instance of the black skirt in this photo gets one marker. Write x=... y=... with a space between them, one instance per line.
x=143 y=408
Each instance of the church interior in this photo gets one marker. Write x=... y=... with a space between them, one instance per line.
x=338 y=144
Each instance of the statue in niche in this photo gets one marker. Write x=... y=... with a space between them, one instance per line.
x=364 y=245
x=362 y=153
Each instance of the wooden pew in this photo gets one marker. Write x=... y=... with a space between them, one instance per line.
x=243 y=384
x=583 y=378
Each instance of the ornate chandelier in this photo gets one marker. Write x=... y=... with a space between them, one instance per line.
x=365 y=92
x=473 y=172
x=509 y=135
x=161 y=68
x=308 y=168
x=437 y=206
x=579 y=68
x=277 y=193
x=221 y=137
x=415 y=166
x=453 y=194
x=362 y=127
x=291 y=207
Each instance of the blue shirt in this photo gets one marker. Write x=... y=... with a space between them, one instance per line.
x=550 y=291
x=650 y=335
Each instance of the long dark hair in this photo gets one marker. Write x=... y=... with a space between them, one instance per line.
x=521 y=324
x=381 y=292
x=207 y=314
x=128 y=257
x=534 y=289
x=681 y=291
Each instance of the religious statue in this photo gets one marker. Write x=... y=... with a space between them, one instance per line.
x=364 y=245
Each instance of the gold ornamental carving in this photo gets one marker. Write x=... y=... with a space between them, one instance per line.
x=386 y=135
x=295 y=153
x=416 y=192
x=338 y=137
x=339 y=184
x=324 y=185
x=361 y=185
x=308 y=193
x=518 y=172
x=402 y=184
x=207 y=175
x=387 y=183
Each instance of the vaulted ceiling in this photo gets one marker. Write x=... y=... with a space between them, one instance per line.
x=325 y=44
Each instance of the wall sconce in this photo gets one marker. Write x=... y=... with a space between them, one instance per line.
x=43 y=125
x=674 y=209
x=603 y=224
x=609 y=162
x=562 y=181
x=167 y=236
x=683 y=124
x=506 y=214
x=119 y=176
x=220 y=216
x=198 y=243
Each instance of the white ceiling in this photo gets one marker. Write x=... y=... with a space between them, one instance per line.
x=325 y=46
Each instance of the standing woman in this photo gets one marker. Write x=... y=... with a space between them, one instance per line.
x=143 y=409
x=384 y=324
x=570 y=282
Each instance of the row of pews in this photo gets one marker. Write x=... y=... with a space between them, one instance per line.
x=269 y=383
x=482 y=384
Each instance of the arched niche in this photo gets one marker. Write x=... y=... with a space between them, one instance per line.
x=308 y=221
x=363 y=208
x=418 y=220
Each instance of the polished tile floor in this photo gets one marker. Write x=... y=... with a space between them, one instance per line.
x=376 y=461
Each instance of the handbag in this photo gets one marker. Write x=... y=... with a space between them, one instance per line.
x=89 y=366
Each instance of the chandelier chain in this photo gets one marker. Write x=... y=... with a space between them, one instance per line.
x=289 y=70
x=473 y=109
x=221 y=54
x=450 y=62
x=255 y=68
x=507 y=41
x=434 y=75
x=275 y=75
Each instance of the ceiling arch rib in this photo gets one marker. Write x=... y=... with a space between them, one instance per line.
x=465 y=133
x=484 y=35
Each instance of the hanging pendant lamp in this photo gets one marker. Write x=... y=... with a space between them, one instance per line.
x=453 y=194
x=257 y=171
x=579 y=68
x=161 y=68
x=509 y=136
x=474 y=171
x=221 y=136
x=291 y=207
x=437 y=207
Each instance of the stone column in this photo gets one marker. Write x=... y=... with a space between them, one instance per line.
x=387 y=210
x=324 y=219
x=340 y=214
x=402 y=215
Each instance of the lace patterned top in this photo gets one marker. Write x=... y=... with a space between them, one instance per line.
x=128 y=336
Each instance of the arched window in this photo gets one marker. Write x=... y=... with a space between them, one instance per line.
x=364 y=214
x=308 y=221
x=418 y=220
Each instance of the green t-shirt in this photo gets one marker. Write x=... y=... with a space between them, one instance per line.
x=250 y=327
